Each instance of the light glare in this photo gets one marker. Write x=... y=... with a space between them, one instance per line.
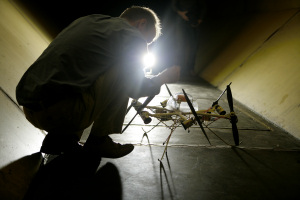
x=149 y=60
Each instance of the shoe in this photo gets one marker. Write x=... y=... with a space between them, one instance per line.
x=105 y=147
x=55 y=144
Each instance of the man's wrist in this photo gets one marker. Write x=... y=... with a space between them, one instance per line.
x=159 y=79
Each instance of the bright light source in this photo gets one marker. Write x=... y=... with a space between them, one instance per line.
x=149 y=60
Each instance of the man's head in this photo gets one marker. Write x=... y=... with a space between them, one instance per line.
x=145 y=20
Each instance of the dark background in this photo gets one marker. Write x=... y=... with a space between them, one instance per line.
x=178 y=43
x=55 y=15
x=63 y=12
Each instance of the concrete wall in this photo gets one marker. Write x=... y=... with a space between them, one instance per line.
x=21 y=42
x=260 y=54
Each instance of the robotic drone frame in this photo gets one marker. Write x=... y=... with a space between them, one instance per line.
x=177 y=116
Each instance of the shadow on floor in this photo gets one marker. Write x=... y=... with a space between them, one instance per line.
x=16 y=176
x=75 y=177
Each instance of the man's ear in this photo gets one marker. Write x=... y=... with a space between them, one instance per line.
x=142 y=24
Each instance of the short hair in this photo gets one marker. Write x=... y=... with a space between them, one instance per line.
x=137 y=12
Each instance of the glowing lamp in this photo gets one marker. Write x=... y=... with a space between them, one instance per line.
x=149 y=60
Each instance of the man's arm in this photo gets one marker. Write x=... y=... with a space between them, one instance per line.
x=151 y=86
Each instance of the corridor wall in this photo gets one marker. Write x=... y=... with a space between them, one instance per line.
x=260 y=54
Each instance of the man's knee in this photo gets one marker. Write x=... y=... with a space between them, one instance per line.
x=71 y=115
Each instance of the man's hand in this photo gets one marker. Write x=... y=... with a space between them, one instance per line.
x=170 y=75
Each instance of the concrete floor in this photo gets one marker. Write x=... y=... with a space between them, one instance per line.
x=266 y=165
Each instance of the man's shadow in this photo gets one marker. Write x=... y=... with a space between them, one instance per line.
x=77 y=176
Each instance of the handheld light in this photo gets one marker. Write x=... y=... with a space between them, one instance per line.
x=148 y=61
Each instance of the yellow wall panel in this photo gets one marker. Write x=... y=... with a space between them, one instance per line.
x=255 y=31
x=263 y=64
x=21 y=42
